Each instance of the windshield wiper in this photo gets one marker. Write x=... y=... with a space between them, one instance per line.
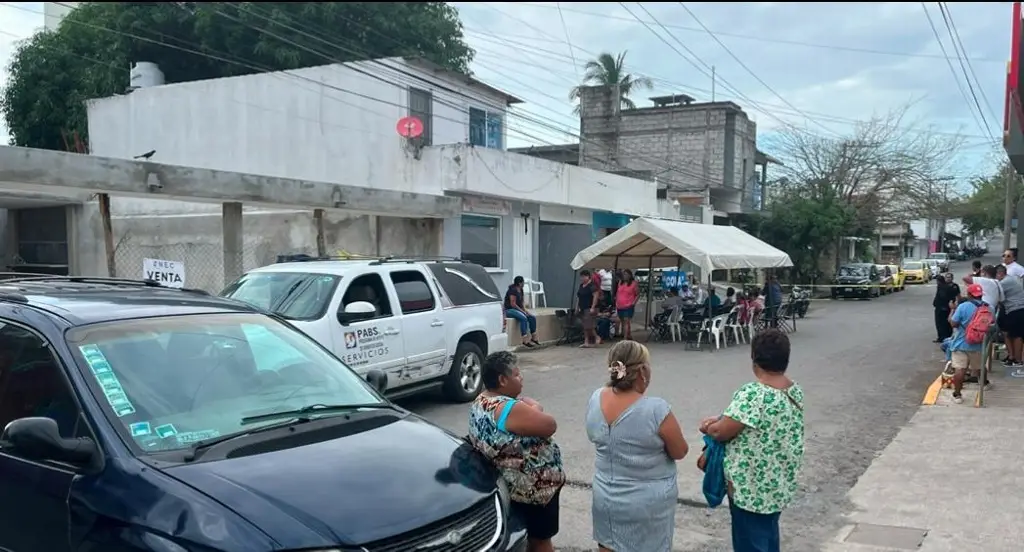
x=314 y=410
x=197 y=449
x=296 y=416
x=290 y=293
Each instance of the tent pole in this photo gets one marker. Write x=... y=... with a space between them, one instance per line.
x=650 y=292
x=615 y=287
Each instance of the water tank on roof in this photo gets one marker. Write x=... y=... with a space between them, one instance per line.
x=144 y=75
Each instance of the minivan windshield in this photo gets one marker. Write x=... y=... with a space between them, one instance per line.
x=291 y=295
x=849 y=271
x=170 y=382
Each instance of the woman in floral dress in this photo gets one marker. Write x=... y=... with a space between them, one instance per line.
x=514 y=433
x=763 y=429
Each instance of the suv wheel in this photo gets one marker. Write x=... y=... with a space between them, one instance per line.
x=464 y=380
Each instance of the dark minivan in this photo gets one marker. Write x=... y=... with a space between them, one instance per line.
x=143 y=418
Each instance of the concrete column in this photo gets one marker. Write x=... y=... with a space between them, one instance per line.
x=234 y=240
x=451 y=237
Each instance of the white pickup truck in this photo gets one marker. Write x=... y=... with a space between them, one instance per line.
x=424 y=324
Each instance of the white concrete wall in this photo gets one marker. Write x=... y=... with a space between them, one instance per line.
x=501 y=174
x=295 y=124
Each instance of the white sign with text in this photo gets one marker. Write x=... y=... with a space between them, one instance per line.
x=166 y=273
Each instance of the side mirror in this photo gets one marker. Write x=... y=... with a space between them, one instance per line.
x=38 y=438
x=356 y=311
x=378 y=379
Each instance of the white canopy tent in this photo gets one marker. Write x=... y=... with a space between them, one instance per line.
x=661 y=243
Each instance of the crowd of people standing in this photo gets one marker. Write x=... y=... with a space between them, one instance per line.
x=638 y=441
x=993 y=292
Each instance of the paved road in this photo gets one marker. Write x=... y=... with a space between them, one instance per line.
x=863 y=365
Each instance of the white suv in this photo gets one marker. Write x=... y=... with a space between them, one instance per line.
x=425 y=324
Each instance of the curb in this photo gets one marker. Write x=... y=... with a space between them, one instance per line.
x=932 y=395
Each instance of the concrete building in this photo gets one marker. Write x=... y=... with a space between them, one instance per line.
x=337 y=124
x=706 y=150
x=54 y=12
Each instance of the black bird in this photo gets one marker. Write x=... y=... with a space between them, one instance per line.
x=146 y=155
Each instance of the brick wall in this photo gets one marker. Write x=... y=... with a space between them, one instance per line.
x=669 y=141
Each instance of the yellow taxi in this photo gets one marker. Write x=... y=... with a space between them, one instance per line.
x=916 y=272
x=899 y=278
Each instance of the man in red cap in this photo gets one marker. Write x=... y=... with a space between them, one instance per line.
x=964 y=356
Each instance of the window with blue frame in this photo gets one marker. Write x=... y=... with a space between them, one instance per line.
x=486 y=129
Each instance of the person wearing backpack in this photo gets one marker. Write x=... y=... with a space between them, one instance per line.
x=970 y=322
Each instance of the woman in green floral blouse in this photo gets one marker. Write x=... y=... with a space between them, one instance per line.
x=763 y=429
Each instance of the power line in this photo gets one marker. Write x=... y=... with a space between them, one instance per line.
x=954 y=34
x=562 y=58
x=756 y=37
x=984 y=128
x=726 y=83
x=568 y=40
x=740 y=62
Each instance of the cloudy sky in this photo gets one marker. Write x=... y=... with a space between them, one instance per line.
x=823 y=66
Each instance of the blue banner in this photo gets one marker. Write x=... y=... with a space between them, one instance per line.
x=672 y=279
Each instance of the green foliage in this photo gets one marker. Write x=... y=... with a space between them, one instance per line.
x=52 y=74
x=805 y=228
x=608 y=70
x=983 y=208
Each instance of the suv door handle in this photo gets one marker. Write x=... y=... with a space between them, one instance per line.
x=390 y=331
x=436 y=323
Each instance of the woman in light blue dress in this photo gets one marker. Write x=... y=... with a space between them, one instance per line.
x=638 y=441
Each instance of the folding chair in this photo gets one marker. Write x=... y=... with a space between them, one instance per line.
x=572 y=327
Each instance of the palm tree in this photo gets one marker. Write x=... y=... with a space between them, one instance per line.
x=607 y=70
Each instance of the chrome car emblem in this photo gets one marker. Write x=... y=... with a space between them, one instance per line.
x=452 y=538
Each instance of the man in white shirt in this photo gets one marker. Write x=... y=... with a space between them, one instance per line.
x=1010 y=262
x=992 y=294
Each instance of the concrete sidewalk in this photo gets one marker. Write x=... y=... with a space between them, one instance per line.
x=952 y=479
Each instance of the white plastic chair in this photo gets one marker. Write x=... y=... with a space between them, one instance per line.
x=732 y=323
x=714 y=331
x=534 y=290
x=673 y=323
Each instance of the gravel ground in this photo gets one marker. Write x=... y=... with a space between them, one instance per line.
x=864 y=367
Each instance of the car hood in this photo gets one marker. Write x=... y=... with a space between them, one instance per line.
x=350 y=490
x=852 y=279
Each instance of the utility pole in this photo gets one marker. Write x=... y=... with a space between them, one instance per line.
x=712 y=83
x=1008 y=207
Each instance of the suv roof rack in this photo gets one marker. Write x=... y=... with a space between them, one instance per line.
x=23 y=277
x=374 y=260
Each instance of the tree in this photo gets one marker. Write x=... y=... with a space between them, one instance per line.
x=609 y=70
x=53 y=73
x=803 y=227
x=887 y=170
x=982 y=210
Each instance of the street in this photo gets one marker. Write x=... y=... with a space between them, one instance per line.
x=863 y=365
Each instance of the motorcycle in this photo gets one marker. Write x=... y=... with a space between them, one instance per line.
x=801 y=301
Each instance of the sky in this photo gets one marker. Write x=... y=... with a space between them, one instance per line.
x=821 y=66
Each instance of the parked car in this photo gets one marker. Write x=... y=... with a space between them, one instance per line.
x=425 y=325
x=149 y=419
x=916 y=272
x=899 y=278
x=857 y=280
x=886 y=281
x=942 y=259
x=933 y=268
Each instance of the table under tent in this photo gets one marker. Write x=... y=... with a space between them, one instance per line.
x=653 y=243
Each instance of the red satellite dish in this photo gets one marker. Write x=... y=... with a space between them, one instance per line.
x=410 y=127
